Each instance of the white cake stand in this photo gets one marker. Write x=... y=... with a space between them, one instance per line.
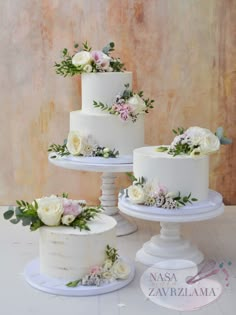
x=109 y=168
x=169 y=244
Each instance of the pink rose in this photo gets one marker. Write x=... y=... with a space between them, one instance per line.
x=125 y=111
x=71 y=207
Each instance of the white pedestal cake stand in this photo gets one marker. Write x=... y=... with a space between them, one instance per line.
x=169 y=244
x=109 y=198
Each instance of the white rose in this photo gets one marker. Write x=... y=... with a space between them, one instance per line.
x=82 y=58
x=137 y=103
x=136 y=194
x=67 y=219
x=75 y=143
x=88 y=68
x=120 y=269
x=50 y=210
x=203 y=137
x=107 y=264
x=210 y=143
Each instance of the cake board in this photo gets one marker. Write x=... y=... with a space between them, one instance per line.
x=108 y=167
x=169 y=244
x=58 y=286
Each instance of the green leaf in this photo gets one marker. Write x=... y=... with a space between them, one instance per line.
x=8 y=214
x=73 y=284
x=15 y=221
x=194 y=199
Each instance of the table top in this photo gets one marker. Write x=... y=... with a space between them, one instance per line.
x=18 y=246
x=93 y=164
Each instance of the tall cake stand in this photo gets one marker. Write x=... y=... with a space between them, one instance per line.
x=109 y=168
x=169 y=244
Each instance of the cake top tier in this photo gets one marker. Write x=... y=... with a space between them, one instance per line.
x=103 y=88
x=100 y=224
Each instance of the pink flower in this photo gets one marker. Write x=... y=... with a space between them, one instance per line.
x=101 y=59
x=95 y=270
x=71 y=207
x=161 y=190
x=125 y=111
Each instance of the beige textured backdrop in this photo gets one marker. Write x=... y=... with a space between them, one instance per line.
x=182 y=53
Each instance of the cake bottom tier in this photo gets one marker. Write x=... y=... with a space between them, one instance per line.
x=109 y=130
x=68 y=253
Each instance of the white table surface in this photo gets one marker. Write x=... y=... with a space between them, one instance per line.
x=216 y=237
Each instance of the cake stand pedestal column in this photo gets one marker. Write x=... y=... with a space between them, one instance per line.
x=109 y=197
x=169 y=244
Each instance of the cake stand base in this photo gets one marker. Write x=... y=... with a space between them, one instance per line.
x=58 y=287
x=124 y=226
x=168 y=245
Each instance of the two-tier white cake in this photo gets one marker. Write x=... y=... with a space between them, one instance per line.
x=107 y=130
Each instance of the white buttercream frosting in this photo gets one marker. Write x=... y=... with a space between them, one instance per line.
x=182 y=173
x=68 y=253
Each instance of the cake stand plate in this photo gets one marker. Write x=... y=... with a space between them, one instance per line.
x=109 y=168
x=57 y=286
x=169 y=244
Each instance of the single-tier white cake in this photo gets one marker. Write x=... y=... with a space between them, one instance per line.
x=182 y=173
x=68 y=253
x=107 y=130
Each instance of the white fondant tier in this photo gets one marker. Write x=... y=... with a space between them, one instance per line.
x=181 y=173
x=109 y=130
x=103 y=87
x=68 y=253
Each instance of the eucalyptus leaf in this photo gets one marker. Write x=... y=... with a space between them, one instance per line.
x=8 y=214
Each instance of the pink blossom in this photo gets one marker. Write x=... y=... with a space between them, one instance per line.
x=95 y=270
x=161 y=189
x=101 y=59
x=123 y=109
x=71 y=207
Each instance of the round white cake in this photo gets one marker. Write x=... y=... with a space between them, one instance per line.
x=182 y=173
x=107 y=130
x=68 y=253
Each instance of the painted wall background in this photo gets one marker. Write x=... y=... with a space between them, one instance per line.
x=182 y=53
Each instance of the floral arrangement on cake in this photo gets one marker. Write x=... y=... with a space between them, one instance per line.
x=195 y=141
x=128 y=105
x=155 y=194
x=80 y=145
x=86 y=60
x=52 y=211
x=113 y=268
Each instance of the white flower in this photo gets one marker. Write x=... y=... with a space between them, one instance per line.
x=203 y=137
x=107 y=264
x=136 y=194
x=171 y=194
x=107 y=275
x=137 y=103
x=210 y=143
x=50 y=210
x=88 y=68
x=120 y=269
x=75 y=143
x=82 y=58
x=67 y=219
